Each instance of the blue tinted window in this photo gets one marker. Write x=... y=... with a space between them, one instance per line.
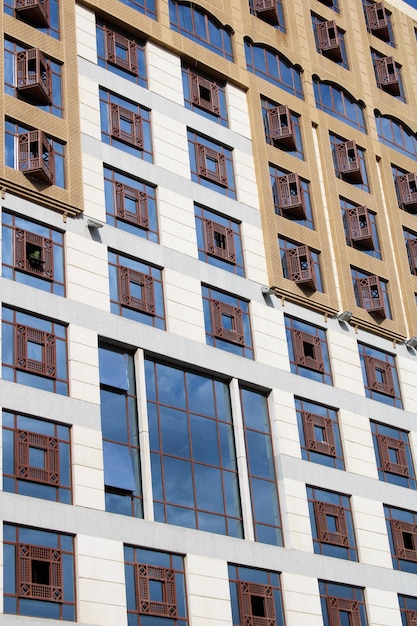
x=382 y=384
x=396 y=134
x=211 y=164
x=393 y=455
x=205 y=95
x=309 y=262
x=308 y=352
x=121 y=54
x=303 y=195
x=361 y=178
x=334 y=48
x=287 y=139
x=219 y=241
x=360 y=229
x=336 y=102
x=401 y=525
x=253 y=593
x=280 y=25
x=273 y=67
x=388 y=75
x=318 y=427
x=50 y=17
x=351 y=608
x=147 y=7
x=371 y=294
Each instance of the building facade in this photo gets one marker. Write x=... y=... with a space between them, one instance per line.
x=209 y=313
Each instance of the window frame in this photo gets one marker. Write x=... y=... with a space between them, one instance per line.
x=366 y=352
x=340 y=100
x=335 y=597
x=195 y=85
x=229 y=255
x=133 y=68
x=222 y=179
x=275 y=174
x=274 y=67
x=318 y=335
x=327 y=448
x=401 y=471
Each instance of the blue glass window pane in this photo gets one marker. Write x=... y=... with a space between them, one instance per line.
x=113 y=416
x=174 y=432
x=118 y=467
x=178 y=481
x=204 y=440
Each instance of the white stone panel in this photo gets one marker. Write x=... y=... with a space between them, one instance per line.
x=86 y=33
x=371 y=532
x=177 y=222
x=357 y=442
x=164 y=73
x=87 y=271
x=170 y=144
x=237 y=109
x=83 y=364
x=298 y=515
x=346 y=367
x=269 y=336
x=382 y=608
x=247 y=190
x=208 y=591
x=284 y=423
x=89 y=107
x=254 y=253
x=407 y=374
x=184 y=306
x=302 y=600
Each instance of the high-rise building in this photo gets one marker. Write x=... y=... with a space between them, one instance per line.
x=209 y=313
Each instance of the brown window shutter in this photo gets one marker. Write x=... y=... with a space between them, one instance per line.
x=402 y=533
x=359 y=227
x=212 y=233
x=146 y=304
x=300 y=266
x=378 y=20
x=140 y=217
x=135 y=136
x=372 y=367
x=112 y=40
x=328 y=39
x=370 y=295
x=384 y=445
x=290 y=196
x=146 y=605
x=35 y=11
x=281 y=128
x=307 y=350
x=27 y=244
x=36 y=156
x=205 y=93
x=33 y=75
x=337 y=538
x=49 y=474
x=412 y=251
x=327 y=446
x=335 y=605
x=267 y=10
x=28 y=556
x=407 y=188
x=247 y=591
x=220 y=174
x=235 y=334
x=411 y=617
x=348 y=161
x=25 y=334
x=387 y=75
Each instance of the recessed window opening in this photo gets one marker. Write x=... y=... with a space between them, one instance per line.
x=308 y=349
x=408 y=541
x=220 y=240
x=205 y=93
x=40 y=572
x=258 y=606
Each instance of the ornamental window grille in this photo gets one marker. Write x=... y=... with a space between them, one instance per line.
x=33 y=76
x=290 y=196
x=35 y=351
x=211 y=164
x=219 y=241
x=147 y=605
x=407 y=188
x=318 y=432
x=121 y=51
x=204 y=93
x=257 y=604
x=33 y=11
x=371 y=296
x=39 y=573
x=404 y=536
x=136 y=290
x=281 y=127
x=300 y=266
x=329 y=40
x=387 y=75
x=378 y=22
x=126 y=126
x=379 y=376
x=359 y=227
x=307 y=350
x=393 y=455
x=128 y=198
x=33 y=254
x=27 y=443
x=36 y=156
x=412 y=252
x=338 y=606
x=331 y=524
x=227 y=322
x=348 y=161
x=267 y=10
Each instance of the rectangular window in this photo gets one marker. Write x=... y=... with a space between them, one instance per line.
x=408 y=608
x=35 y=154
x=33 y=254
x=388 y=75
x=41 y=14
x=269 y=64
x=380 y=375
x=282 y=128
x=205 y=95
x=410 y=240
x=126 y=125
x=406 y=187
x=130 y=204
x=136 y=290
x=393 y=455
x=360 y=228
x=44 y=583
x=270 y=11
x=120 y=431
x=402 y=533
x=331 y=524
x=121 y=53
x=342 y=605
x=155 y=587
x=219 y=240
x=256 y=597
x=36 y=458
x=378 y=21
x=349 y=162
x=211 y=164
x=371 y=294
x=227 y=322
x=330 y=40
x=261 y=467
x=308 y=350
x=34 y=351
x=194 y=468
x=291 y=195
x=300 y=264
x=318 y=428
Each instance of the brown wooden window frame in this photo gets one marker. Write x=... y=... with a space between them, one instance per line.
x=335 y=605
x=226 y=252
x=36 y=156
x=49 y=474
x=387 y=74
x=42 y=267
x=373 y=364
x=112 y=40
x=145 y=604
x=135 y=137
x=337 y=538
x=48 y=366
x=36 y=82
x=328 y=445
x=329 y=40
x=141 y=216
x=365 y=287
x=384 y=444
x=281 y=127
x=348 y=161
x=36 y=11
x=198 y=86
x=406 y=184
x=248 y=590
x=299 y=339
x=378 y=25
x=294 y=258
x=360 y=235
x=220 y=175
x=27 y=554
x=126 y=276
x=411 y=617
x=399 y=528
x=290 y=196
x=236 y=334
x=267 y=10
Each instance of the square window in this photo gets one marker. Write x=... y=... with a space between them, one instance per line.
x=219 y=240
x=342 y=605
x=256 y=596
x=380 y=375
x=371 y=294
x=300 y=264
x=393 y=455
x=205 y=95
x=330 y=40
x=402 y=531
x=308 y=350
x=211 y=164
